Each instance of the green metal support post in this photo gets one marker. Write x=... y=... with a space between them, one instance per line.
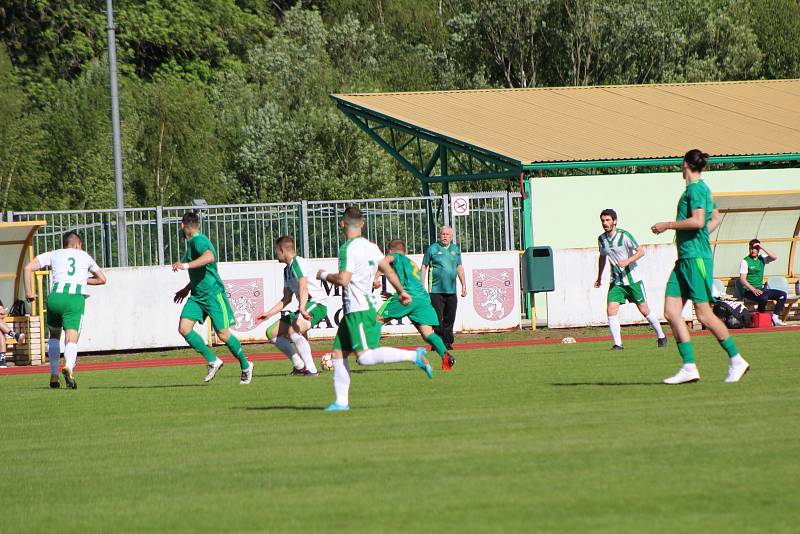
x=527 y=238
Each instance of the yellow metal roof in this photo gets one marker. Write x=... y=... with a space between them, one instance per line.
x=605 y=122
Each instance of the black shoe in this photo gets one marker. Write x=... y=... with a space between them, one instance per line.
x=662 y=342
x=617 y=347
x=54 y=382
x=298 y=372
x=71 y=384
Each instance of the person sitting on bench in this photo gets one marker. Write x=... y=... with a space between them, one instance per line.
x=6 y=330
x=751 y=277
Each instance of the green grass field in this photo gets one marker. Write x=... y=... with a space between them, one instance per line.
x=564 y=438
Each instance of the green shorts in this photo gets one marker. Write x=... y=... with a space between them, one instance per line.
x=622 y=294
x=318 y=314
x=217 y=307
x=65 y=311
x=420 y=311
x=692 y=279
x=358 y=332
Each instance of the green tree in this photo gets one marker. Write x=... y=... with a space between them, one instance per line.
x=776 y=24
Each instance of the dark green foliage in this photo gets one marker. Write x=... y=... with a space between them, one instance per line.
x=227 y=100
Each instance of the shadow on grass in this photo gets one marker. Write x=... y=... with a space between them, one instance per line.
x=612 y=384
x=155 y=386
x=279 y=407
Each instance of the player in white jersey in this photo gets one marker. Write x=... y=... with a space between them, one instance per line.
x=623 y=252
x=360 y=331
x=288 y=334
x=71 y=270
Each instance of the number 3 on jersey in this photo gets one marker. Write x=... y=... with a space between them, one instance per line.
x=71 y=267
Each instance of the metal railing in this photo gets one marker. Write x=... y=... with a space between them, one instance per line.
x=248 y=232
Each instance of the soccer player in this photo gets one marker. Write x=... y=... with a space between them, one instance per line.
x=359 y=331
x=6 y=330
x=692 y=276
x=420 y=311
x=623 y=252
x=751 y=278
x=288 y=334
x=71 y=270
x=207 y=299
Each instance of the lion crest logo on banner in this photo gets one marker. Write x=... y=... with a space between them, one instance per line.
x=494 y=293
x=246 y=296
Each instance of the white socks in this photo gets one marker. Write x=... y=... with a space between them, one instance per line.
x=613 y=326
x=53 y=353
x=341 y=381
x=286 y=347
x=303 y=347
x=737 y=361
x=386 y=355
x=653 y=320
x=71 y=355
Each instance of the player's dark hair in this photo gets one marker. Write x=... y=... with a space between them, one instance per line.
x=696 y=159
x=286 y=242
x=71 y=238
x=608 y=212
x=190 y=218
x=398 y=245
x=754 y=242
x=352 y=213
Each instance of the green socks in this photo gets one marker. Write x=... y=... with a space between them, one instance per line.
x=236 y=349
x=687 y=352
x=197 y=343
x=729 y=346
x=437 y=344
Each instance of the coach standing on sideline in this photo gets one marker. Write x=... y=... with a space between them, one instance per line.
x=444 y=260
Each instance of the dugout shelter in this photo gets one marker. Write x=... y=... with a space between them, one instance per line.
x=16 y=249
x=546 y=138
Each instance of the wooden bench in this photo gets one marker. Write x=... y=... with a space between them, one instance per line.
x=791 y=312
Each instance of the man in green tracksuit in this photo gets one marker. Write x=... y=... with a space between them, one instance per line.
x=207 y=299
x=420 y=312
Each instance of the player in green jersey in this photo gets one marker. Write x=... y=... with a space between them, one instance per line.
x=420 y=312
x=692 y=277
x=207 y=299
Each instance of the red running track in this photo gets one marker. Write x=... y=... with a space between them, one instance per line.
x=197 y=360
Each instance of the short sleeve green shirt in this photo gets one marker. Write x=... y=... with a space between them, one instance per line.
x=755 y=271
x=694 y=243
x=443 y=263
x=409 y=275
x=205 y=280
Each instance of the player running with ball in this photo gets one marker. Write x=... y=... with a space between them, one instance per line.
x=360 y=331
x=207 y=299
x=299 y=280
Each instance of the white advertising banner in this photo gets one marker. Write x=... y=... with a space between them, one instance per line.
x=576 y=302
x=135 y=310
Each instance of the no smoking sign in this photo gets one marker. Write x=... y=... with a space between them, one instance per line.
x=459 y=206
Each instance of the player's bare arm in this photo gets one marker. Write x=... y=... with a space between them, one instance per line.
x=206 y=258
x=182 y=293
x=637 y=255
x=278 y=306
x=463 y=279
x=27 y=279
x=695 y=222
x=302 y=286
x=424 y=274
x=601 y=265
x=386 y=268
x=98 y=278
x=716 y=218
x=341 y=279
x=771 y=256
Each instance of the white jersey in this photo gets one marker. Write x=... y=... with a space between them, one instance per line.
x=70 y=268
x=360 y=257
x=621 y=245
x=296 y=270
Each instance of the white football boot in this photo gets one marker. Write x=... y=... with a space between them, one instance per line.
x=686 y=374
x=736 y=372
x=213 y=368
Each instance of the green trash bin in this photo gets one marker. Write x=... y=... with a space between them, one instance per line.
x=537 y=270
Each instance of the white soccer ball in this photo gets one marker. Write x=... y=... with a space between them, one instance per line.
x=568 y=340
x=327 y=361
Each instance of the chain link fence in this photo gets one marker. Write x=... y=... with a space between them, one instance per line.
x=248 y=232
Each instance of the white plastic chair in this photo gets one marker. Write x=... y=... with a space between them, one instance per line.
x=779 y=283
